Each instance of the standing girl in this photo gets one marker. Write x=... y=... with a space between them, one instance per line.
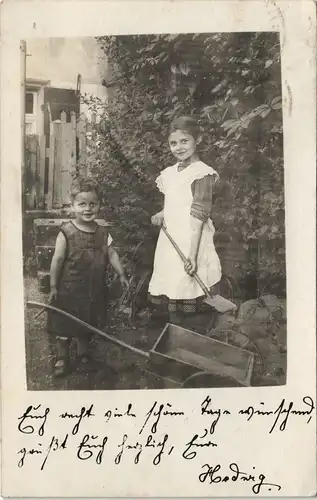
x=187 y=187
x=77 y=276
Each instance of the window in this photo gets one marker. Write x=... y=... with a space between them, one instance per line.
x=29 y=103
x=30 y=111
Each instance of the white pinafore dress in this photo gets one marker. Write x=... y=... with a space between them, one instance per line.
x=169 y=277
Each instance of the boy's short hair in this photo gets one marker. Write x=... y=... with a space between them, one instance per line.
x=84 y=185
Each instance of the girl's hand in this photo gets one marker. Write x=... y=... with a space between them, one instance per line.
x=157 y=219
x=123 y=280
x=190 y=266
x=53 y=295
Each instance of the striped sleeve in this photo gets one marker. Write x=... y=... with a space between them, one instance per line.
x=202 y=198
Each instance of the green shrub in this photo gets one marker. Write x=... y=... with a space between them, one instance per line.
x=231 y=82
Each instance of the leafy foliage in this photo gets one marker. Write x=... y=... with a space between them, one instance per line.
x=231 y=83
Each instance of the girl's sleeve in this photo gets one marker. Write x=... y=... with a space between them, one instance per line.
x=160 y=183
x=202 y=198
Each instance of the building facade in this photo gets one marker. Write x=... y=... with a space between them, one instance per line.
x=58 y=72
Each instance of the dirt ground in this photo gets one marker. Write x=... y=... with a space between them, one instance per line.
x=118 y=368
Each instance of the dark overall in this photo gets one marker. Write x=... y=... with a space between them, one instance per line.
x=81 y=288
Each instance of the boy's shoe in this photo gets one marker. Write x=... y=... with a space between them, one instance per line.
x=61 y=367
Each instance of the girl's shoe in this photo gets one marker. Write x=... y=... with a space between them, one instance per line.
x=61 y=367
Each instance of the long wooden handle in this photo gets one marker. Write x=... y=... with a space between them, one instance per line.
x=182 y=256
x=178 y=250
x=89 y=327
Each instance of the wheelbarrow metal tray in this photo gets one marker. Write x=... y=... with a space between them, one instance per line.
x=179 y=353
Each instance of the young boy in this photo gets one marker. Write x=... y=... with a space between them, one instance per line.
x=77 y=275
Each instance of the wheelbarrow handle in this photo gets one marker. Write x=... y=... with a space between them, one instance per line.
x=93 y=329
x=182 y=256
x=41 y=312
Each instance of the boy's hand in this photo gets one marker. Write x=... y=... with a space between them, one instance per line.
x=157 y=219
x=53 y=295
x=124 y=282
x=190 y=266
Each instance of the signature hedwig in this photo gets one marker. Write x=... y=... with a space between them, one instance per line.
x=218 y=474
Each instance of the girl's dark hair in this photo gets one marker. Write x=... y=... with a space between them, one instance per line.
x=186 y=124
x=84 y=185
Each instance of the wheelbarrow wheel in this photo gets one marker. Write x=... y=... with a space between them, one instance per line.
x=230 y=337
x=209 y=380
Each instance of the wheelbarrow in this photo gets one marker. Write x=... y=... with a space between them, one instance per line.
x=183 y=358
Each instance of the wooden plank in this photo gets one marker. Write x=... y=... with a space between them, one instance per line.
x=201 y=345
x=74 y=140
x=26 y=184
x=73 y=158
x=57 y=185
x=63 y=118
x=33 y=179
x=66 y=162
x=41 y=179
x=66 y=152
x=30 y=172
x=89 y=131
x=51 y=168
x=31 y=144
x=82 y=139
x=73 y=137
x=205 y=353
x=22 y=110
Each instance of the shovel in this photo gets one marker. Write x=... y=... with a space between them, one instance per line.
x=218 y=302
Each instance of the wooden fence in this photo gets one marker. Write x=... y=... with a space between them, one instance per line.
x=50 y=161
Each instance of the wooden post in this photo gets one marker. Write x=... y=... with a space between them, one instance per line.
x=58 y=158
x=41 y=180
x=23 y=78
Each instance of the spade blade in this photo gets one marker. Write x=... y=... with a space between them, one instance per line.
x=220 y=303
